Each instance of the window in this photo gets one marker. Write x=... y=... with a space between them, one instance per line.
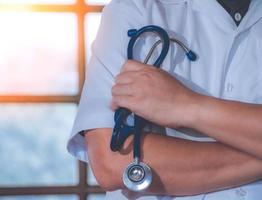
x=45 y=46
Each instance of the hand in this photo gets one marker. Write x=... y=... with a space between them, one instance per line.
x=154 y=95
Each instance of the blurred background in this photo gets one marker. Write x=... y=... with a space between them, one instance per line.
x=44 y=49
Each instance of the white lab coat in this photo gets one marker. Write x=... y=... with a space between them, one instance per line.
x=229 y=65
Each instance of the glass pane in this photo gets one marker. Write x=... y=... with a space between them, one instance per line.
x=38 y=53
x=91 y=178
x=97 y=1
x=37 y=1
x=33 y=145
x=60 y=197
x=96 y=197
x=92 y=22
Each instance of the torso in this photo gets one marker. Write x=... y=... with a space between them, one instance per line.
x=229 y=64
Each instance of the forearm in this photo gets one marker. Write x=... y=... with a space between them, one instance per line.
x=181 y=167
x=234 y=123
x=158 y=97
x=187 y=167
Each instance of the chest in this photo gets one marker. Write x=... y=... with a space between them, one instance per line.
x=229 y=64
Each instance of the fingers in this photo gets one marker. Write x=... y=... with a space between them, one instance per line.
x=131 y=71
x=125 y=90
x=132 y=65
x=122 y=101
x=126 y=77
x=122 y=94
x=122 y=89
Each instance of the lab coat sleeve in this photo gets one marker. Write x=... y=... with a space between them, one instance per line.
x=108 y=56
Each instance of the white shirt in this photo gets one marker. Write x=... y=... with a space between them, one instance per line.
x=229 y=65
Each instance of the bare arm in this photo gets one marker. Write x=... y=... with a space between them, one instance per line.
x=160 y=98
x=234 y=123
x=180 y=167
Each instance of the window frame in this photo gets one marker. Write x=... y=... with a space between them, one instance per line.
x=81 y=9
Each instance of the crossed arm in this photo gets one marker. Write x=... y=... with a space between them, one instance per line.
x=181 y=167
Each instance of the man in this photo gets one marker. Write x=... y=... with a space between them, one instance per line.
x=219 y=96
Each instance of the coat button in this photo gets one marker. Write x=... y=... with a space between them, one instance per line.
x=241 y=193
x=238 y=17
x=229 y=87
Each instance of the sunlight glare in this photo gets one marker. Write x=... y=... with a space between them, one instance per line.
x=37 y=1
x=38 y=52
x=92 y=22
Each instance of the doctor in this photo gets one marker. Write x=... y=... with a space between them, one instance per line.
x=218 y=99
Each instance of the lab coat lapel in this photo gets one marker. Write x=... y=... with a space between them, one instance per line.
x=253 y=15
x=214 y=11
x=219 y=15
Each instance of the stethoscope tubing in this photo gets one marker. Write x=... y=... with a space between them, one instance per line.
x=135 y=34
x=122 y=130
x=118 y=139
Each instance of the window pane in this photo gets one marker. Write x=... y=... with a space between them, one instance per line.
x=38 y=1
x=97 y=1
x=60 y=197
x=33 y=145
x=92 y=22
x=38 y=53
x=96 y=197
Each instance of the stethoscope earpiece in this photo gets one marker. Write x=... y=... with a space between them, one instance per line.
x=138 y=176
x=191 y=56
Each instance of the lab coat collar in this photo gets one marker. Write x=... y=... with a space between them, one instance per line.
x=217 y=13
x=253 y=15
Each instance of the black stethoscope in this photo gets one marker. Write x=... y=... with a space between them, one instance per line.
x=138 y=175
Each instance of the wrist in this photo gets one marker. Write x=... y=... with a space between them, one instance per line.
x=192 y=111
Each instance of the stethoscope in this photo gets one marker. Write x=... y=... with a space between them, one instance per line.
x=138 y=175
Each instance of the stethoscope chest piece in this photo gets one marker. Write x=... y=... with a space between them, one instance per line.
x=137 y=176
